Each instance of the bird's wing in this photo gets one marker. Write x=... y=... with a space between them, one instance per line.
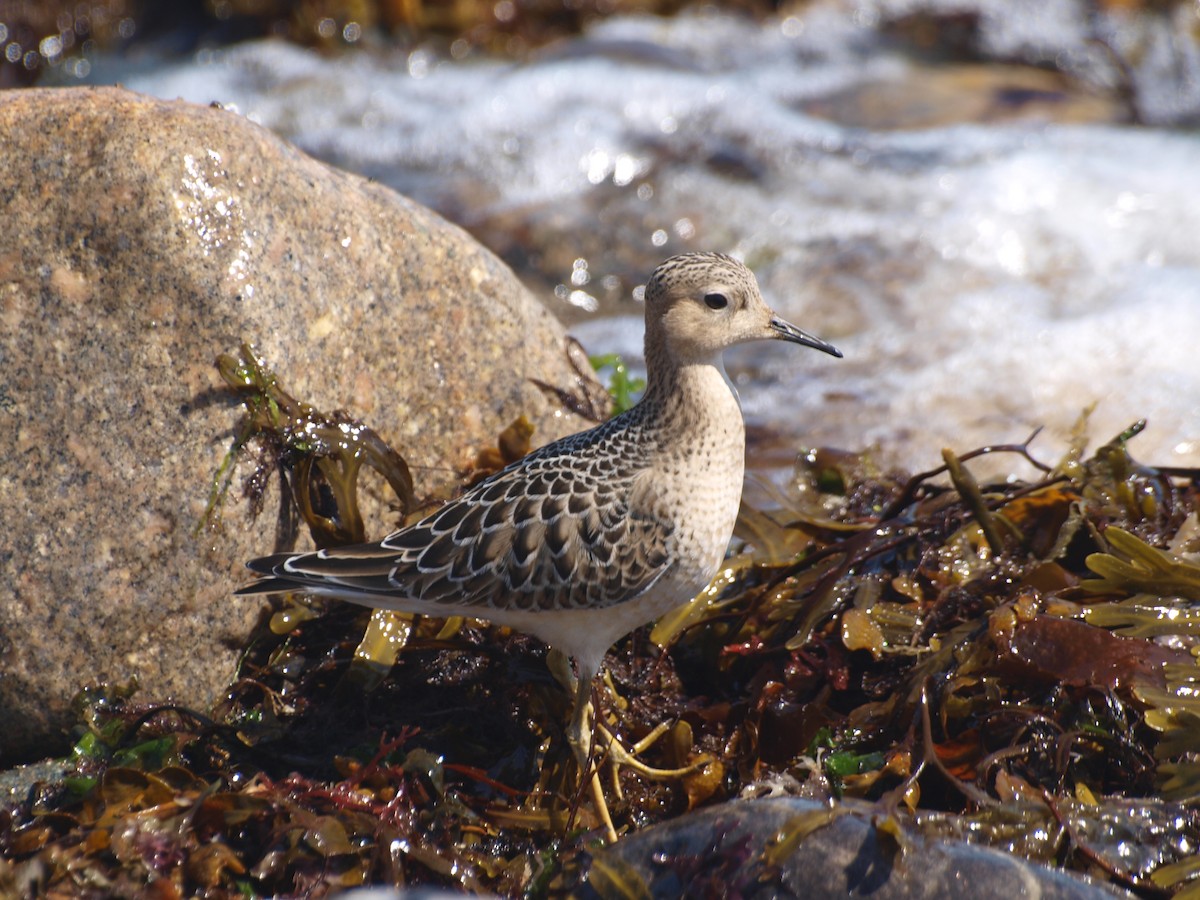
x=556 y=530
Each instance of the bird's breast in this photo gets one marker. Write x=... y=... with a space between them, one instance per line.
x=700 y=490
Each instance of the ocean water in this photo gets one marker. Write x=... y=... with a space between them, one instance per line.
x=982 y=279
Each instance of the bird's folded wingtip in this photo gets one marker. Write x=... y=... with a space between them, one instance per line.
x=268 y=566
x=263 y=565
x=265 y=586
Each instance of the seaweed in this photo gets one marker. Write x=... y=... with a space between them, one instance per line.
x=1009 y=661
x=320 y=454
x=622 y=387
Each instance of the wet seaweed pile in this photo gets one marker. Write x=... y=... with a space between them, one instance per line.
x=1010 y=662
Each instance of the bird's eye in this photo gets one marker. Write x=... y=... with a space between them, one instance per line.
x=716 y=301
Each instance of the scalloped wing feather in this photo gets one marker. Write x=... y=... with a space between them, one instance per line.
x=569 y=526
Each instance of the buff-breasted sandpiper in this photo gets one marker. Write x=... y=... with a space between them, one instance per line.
x=591 y=536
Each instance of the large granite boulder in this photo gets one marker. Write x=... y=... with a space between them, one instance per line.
x=140 y=240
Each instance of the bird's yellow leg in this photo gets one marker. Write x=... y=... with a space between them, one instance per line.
x=579 y=734
x=580 y=738
x=616 y=754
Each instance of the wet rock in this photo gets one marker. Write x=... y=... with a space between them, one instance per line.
x=935 y=96
x=721 y=850
x=17 y=782
x=141 y=239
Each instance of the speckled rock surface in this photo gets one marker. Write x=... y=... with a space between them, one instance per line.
x=724 y=846
x=140 y=239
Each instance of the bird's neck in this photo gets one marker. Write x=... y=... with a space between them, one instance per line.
x=691 y=395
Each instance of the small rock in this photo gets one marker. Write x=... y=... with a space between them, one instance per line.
x=141 y=240
x=936 y=96
x=720 y=850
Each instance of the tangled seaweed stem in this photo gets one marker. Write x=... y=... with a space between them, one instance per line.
x=922 y=724
x=930 y=757
x=821 y=602
x=221 y=480
x=1129 y=433
x=1114 y=871
x=905 y=496
x=593 y=406
x=968 y=489
x=325 y=452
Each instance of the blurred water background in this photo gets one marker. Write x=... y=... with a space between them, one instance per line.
x=992 y=207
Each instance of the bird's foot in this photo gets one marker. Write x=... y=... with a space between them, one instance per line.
x=585 y=733
x=618 y=756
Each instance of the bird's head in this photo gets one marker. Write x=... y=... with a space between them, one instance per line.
x=699 y=304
